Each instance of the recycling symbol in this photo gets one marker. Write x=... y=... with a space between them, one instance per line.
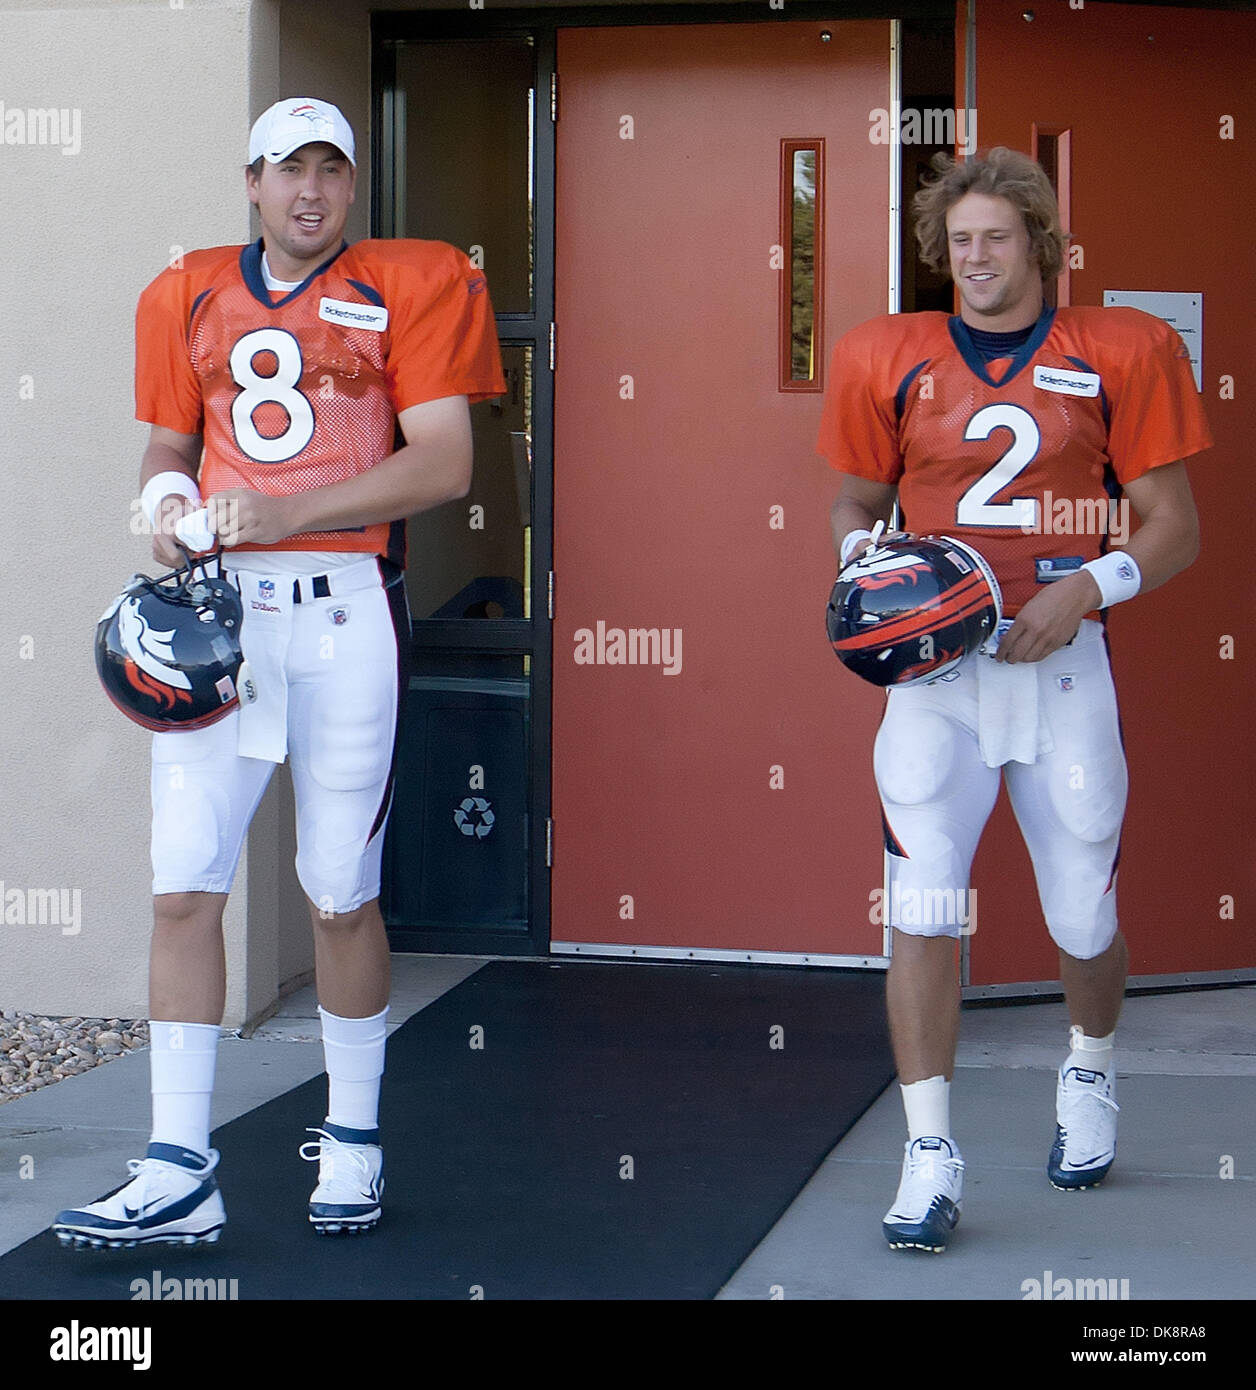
x=474 y=817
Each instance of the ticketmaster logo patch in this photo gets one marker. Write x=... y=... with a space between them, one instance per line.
x=1066 y=383
x=368 y=316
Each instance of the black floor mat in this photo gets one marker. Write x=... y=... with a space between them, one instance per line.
x=551 y=1130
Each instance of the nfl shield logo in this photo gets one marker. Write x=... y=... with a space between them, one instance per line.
x=1066 y=682
x=339 y=616
x=266 y=588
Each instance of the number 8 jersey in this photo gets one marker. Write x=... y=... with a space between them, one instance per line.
x=1021 y=456
x=299 y=390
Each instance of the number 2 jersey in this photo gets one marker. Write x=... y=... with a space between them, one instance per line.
x=300 y=390
x=1021 y=456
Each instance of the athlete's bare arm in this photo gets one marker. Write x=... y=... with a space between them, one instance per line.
x=1167 y=539
x=433 y=466
x=859 y=506
x=170 y=452
x=1166 y=542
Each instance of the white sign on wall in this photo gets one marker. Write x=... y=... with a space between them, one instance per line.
x=1185 y=312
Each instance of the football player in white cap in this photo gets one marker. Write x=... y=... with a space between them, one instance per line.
x=273 y=377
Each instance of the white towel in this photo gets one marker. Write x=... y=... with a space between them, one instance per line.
x=264 y=636
x=1011 y=724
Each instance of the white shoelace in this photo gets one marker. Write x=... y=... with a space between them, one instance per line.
x=337 y=1154
x=1082 y=1124
x=928 y=1175
x=148 y=1171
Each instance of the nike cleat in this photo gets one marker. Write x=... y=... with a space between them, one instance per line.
x=1085 y=1129
x=171 y=1199
x=350 y=1179
x=927 y=1207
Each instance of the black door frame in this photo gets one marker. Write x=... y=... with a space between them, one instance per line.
x=500 y=636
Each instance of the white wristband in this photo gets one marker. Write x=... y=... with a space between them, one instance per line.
x=163 y=485
x=850 y=541
x=1117 y=575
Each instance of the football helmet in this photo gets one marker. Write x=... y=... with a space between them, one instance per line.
x=168 y=650
x=910 y=609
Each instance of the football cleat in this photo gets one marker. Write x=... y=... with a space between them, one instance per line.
x=171 y=1199
x=927 y=1207
x=350 y=1179
x=1085 y=1129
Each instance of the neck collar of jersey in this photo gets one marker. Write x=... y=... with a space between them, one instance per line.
x=962 y=339
x=251 y=271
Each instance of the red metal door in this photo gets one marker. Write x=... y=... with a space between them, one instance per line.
x=1156 y=204
x=712 y=782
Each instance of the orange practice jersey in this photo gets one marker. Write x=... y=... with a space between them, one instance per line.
x=1022 y=457
x=296 y=391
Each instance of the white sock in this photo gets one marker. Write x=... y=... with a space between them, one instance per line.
x=928 y=1108
x=353 y=1051
x=182 y=1059
x=1091 y=1054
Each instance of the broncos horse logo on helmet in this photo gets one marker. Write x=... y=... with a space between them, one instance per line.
x=150 y=664
x=910 y=609
x=168 y=650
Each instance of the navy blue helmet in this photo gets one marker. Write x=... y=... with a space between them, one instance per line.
x=910 y=609
x=168 y=650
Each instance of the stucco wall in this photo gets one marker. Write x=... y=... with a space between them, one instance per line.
x=150 y=160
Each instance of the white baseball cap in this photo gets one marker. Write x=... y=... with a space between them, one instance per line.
x=298 y=121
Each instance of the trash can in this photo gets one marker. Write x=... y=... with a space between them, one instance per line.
x=456 y=851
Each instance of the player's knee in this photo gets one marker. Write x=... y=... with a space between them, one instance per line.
x=946 y=926
x=1081 y=914
x=1092 y=822
x=336 y=882
x=338 y=859
x=188 y=912
x=913 y=757
x=333 y=897
x=187 y=847
x=344 y=921
x=1084 y=940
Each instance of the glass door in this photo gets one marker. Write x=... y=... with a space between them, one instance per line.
x=465 y=864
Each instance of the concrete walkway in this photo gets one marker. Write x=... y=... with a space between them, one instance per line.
x=1168 y=1220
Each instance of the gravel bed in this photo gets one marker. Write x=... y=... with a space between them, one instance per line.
x=36 y=1052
